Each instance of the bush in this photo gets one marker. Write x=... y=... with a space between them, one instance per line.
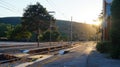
x=115 y=29
x=103 y=47
x=109 y=48
x=115 y=52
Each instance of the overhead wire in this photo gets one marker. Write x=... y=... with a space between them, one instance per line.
x=8 y=6
x=7 y=3
x=52 y=4
x=57 y=8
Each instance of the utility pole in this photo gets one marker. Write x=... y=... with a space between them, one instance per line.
x=71 y=31
x=51 y=12
x=50 y=29
x=38 y=33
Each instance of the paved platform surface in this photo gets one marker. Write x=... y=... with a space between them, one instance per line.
x=77 y=57
x=97 y=59
x=83 y=55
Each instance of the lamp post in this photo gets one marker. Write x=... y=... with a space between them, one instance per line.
x=51 y=12
x=71 y=31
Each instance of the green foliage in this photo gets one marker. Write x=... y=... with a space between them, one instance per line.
x=33 y=37
x=63 y=36
x=46 y=36
x=80 y=29
x=3 y=28
x=115 y=30
x=36 y=18
x=115 y=33
x=19 y=33
x=9 y=31
x=104 y=47
x=55 y=36
x=16 y=33
x=115 y=52
x=6 y=30
x=109 y=48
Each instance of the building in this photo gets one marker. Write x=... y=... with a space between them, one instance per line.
x=106 y=19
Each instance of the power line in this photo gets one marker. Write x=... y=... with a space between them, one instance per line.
x=8 y=6
x=7 y=3
x=58 y=9
x=53 y=5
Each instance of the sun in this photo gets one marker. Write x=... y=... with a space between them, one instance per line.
x=94 y=22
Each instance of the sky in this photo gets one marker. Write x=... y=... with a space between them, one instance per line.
x=80 y=10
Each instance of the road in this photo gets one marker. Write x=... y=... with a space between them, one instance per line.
x=77 y=57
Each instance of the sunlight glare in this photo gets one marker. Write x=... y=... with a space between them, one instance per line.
x=94 y=22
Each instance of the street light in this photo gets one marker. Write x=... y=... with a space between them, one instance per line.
x=51 y=12
x=71 y=31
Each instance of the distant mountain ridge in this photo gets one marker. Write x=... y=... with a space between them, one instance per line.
x=80 y=31
x=11 y=20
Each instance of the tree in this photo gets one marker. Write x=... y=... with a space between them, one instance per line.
x=55 y=35
x=115 y=30
x=20 y=34
x=36 y=18
x=63 y=36
x=9 y=31
x=3 y=28
x=17 y=34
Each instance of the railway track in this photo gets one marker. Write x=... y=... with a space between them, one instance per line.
x=36 y=51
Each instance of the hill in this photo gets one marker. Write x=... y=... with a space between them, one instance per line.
x=81 y=31
x=10 y=20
